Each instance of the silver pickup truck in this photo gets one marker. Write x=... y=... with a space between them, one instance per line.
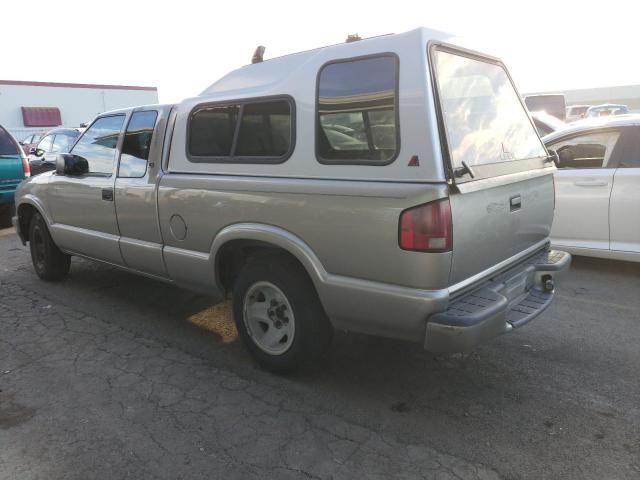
x=394 y=186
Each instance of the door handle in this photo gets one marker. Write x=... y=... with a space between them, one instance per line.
x=107 y=194
x=591 y=183
x=515 y=203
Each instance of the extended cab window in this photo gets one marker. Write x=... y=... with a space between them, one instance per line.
x=586 y=151
x=245 y=132
x=98 y=144
x=358 y=111
x=484 y=119
x=136 y=144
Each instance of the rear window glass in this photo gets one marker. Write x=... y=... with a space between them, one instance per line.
x=7 y=145
x=357 y=111
x=485 y=121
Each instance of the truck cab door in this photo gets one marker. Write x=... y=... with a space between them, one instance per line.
x=625 y=196
x=135 y=191
x=583 y=186
x=81 y=204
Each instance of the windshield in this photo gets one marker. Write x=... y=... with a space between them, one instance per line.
x=7 y=145
x=485 y=121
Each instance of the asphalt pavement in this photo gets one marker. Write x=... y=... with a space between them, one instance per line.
x=107 y=375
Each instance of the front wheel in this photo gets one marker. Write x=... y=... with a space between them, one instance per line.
x=278 y=314
x=49 y=262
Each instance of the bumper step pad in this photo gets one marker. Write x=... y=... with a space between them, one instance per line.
x=527 y=308
x=479 y=305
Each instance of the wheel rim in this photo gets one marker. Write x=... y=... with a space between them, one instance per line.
x=38 y=248
x=268 y=318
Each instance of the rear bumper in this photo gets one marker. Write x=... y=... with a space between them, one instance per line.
x=498 y=305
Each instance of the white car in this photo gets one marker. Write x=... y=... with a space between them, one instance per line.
x=576 y=112
x=598 y=187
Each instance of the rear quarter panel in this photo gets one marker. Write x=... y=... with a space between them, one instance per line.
x=352 y=227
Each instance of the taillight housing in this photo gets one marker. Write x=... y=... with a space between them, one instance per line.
x=426 y=228
x=26 y=167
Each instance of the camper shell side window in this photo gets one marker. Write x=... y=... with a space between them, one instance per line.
x=256 y=130
x=357 y=118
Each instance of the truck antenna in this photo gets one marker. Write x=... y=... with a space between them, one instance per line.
x=353 y=38
x=258 y=55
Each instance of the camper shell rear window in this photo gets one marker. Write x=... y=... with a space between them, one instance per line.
x=254 y=130
x=484 y=126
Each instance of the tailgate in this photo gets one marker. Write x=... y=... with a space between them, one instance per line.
x=493 y=224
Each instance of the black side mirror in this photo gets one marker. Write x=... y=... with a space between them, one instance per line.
x=69 y=164
x=553 y=157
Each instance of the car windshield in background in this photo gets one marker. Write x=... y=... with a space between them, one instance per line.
x=7 y=145
x=484 y=118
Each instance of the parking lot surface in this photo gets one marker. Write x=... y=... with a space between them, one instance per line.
x=111 y=376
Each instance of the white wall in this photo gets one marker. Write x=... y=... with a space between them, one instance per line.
x=77 y=105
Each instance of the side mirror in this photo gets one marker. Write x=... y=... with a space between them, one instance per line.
x=69 y=164
x=553 y=157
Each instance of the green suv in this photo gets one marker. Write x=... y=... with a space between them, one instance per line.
x=13 y=169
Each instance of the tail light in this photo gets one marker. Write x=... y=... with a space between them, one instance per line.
x=426 y=228
x=26 y=167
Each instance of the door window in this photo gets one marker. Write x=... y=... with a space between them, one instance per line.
x=586 y=151
x=98 y=144
x=136 y=144
x=61 y=143
x=46 y=143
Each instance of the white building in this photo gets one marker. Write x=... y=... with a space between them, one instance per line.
x=33 y=107
x=628 y=95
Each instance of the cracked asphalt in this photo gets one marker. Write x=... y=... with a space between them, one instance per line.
x=112 y=376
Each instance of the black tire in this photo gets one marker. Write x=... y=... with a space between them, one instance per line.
x=313 y=330
x=49 y=262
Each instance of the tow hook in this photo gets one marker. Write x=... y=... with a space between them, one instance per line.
x=547 y=283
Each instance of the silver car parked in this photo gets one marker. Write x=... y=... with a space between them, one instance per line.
x=394 y=186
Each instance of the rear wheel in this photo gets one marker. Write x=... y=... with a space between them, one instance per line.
x=49 y=262
x=278 y=314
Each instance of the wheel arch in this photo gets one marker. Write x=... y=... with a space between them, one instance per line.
x=28 y=206
x=237 y=243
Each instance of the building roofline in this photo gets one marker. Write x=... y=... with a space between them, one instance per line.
x=27 y=83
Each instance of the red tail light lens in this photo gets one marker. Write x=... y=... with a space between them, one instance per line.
x=26 y=167
x=426 y=228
